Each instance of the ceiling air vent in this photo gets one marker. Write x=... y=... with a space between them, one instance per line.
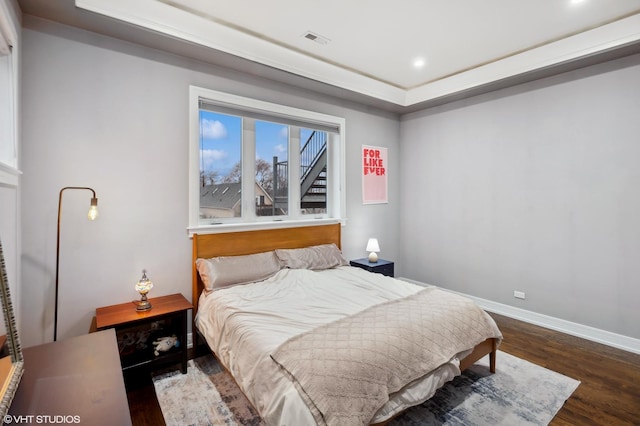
x=316 y=37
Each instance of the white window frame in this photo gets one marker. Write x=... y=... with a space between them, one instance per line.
x=336 y=197
x=9 y=172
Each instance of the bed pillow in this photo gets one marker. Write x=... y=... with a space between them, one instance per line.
x=229 y=270
x=324 y=256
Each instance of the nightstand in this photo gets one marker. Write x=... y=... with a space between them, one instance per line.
x=382 y=266
x=136 y=331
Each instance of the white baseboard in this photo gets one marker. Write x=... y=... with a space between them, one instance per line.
x=584 y=331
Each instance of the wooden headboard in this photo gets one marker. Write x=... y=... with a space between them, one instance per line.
x=248 y=242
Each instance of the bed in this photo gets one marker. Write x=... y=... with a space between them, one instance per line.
x=266 y=332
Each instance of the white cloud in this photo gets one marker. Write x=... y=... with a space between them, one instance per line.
x=213 y=129
x=280 y=148
x=284 y=132
x=210 y=155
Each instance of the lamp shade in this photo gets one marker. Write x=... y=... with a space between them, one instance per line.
x=373 y=248
x=372 y=245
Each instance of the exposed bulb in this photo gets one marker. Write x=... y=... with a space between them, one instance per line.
x=93 y=210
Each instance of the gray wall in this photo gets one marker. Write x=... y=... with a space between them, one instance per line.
x=533 y=188
x=10 y=239
x=111 y=115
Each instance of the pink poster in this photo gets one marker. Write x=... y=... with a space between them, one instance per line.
x=374 y=175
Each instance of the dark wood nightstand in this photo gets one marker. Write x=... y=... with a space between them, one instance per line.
x=384 y=267
x=136 y=331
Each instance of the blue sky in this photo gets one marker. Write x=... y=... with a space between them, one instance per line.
x=220 y=139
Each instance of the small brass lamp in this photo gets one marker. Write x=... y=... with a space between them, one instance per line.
x=143 y=287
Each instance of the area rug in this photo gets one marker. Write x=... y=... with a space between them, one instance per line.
x=520 y=393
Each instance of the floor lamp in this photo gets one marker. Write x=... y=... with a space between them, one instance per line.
x=92 y=215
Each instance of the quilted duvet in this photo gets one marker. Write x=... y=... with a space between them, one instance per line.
x=345 y=370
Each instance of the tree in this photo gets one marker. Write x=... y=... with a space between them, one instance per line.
x=264 y=174
x=234 y=175
x=208 y=178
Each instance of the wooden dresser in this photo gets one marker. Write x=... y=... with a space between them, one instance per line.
x=73 y=381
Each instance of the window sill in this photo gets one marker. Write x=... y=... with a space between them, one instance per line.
x=9 y=175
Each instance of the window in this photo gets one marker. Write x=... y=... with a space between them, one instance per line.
x=254 y=162
x=220 y=146
x=8 y=99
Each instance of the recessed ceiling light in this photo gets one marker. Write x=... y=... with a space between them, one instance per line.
x=419 y=62
x=577 y=1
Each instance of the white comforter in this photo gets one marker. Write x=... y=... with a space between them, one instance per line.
x=244 y=324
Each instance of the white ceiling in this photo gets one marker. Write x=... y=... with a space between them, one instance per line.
x=370 y=45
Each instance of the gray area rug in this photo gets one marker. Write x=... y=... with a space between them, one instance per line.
x=520 y=393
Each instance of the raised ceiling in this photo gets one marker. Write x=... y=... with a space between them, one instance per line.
x=370 y=47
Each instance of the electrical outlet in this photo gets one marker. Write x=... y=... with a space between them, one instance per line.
x=518 y=294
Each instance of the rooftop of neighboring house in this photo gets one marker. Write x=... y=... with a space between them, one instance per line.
x=221 y=195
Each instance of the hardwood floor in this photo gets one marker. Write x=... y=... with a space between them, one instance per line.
x=609 y=392
x=143 y=405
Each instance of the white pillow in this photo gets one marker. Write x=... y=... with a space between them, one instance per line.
x=324 y=256
x=229 y=270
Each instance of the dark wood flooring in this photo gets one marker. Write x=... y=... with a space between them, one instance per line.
x=609 y=393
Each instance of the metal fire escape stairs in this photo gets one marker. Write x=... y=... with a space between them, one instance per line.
x=313 y=174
